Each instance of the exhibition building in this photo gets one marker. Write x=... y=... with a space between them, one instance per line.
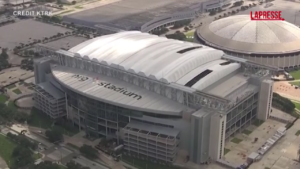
x=273 y=43
x=162 y=99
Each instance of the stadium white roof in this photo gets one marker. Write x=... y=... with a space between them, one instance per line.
x=114 y=91
x=158 y=58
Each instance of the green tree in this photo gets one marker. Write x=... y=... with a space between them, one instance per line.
x=73 y=165
x=22 y=157
x=178 y=35
x=54 y=135
x=88 y=151
x=47 y=165
x=4 y=54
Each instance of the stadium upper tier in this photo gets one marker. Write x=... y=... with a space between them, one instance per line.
x=158 y=58
x=240 y=34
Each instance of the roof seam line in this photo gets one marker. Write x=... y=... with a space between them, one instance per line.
x=240 y=29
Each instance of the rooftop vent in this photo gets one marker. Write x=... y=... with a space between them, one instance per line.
x=225 y=63
x=197 y=78
x=188 y=49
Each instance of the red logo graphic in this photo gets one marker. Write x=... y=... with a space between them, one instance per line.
x=266 y=16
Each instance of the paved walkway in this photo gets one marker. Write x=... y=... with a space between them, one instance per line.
x=3 y=164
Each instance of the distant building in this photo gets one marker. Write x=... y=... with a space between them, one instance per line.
x=16 y=2
x=274 y=43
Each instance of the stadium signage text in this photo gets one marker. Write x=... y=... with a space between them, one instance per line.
x=110 y=87
x=266 y=16
x=120 y=90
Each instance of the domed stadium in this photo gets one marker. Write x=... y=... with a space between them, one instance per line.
x=275 y=43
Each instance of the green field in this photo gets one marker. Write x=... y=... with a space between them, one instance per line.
x=190 y=33
x=295 y=83
x=236 y=140
x=3 y=98
x=17 y=91
x=247 y=132
x=78 y=7
x=11 y=86
x=297 y=105
x=295 y=74
x=68 y=11
x=6 y=149
x=226 y=151
x=37 y=156
x=257 y=122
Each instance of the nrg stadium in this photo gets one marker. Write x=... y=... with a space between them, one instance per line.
x=162 y=99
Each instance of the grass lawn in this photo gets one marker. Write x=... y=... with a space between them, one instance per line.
x=37 y=156
x=257 y=122
x=11 y=86
x=68 y=11
x=267 y=168
x=190 y=35
x=297 y=133
x=78 y=7
x=236 y=140
x=247 y=132
x=295 y=83
x=295 y=74
x=3 y=98
x=17 y=91
x=297 y=105
x=6 y=149
x=226 y=151
x=143 y=164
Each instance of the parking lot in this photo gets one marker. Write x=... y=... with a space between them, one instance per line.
x=14 y=74
x=67 y=42
x=22 y=31
x=284 y=154
x=238 y=152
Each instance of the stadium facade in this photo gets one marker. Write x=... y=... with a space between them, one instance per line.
x=273 y=43
x=163 y=99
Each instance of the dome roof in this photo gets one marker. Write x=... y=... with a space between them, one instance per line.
x=241 y=34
